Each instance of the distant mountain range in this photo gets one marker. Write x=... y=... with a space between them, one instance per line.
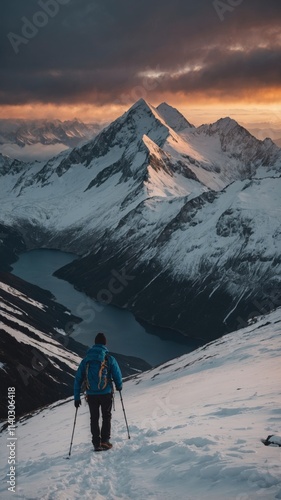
x=186 y=218
x=264 y=132
x=41 y=139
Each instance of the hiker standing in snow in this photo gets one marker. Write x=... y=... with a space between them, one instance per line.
x=99 y=370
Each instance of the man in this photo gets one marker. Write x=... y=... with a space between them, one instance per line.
x=98 y=370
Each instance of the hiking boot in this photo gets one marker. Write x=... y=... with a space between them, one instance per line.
x=98 y=448
x=106 y=445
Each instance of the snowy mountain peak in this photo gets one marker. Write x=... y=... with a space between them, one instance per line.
x=226 y=123
x=173 y=117
x=227 y=127
x=141 y=103
x=223 y=126
x=141 y=119
x=144 y=109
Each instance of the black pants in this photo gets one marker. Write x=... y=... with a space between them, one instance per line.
x=103 y=401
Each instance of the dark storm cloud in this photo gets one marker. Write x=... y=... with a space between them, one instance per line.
x=81 y=50
x=230 y=72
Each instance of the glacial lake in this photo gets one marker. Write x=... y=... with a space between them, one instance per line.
x=125 y=335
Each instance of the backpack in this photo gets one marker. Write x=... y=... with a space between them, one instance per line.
x=96 y=375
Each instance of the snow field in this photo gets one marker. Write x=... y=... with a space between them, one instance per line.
x=195 y=425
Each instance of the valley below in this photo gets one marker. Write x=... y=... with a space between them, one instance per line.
x=125 y=335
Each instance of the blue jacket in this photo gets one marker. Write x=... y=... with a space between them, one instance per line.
x=91 y=365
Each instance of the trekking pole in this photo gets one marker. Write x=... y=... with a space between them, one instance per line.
x=129 y=437
x=72 y=433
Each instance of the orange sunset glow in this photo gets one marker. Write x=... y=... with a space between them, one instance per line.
x=197 y=113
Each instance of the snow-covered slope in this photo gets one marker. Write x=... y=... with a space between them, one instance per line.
x=195 y=426
x=194 y=213
x=173 y=117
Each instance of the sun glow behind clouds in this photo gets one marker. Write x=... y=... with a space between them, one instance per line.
x=236 y=48
x=155 y=74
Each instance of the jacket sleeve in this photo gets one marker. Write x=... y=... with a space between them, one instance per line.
x=80 y=375
x=116 y=374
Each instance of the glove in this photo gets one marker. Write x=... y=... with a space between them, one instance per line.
x=119 y=389
x=77 y=403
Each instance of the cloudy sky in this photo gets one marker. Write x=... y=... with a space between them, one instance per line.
x=93 y=58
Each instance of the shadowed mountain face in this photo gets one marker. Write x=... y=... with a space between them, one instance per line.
x=188 y=217
x=35 y=356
